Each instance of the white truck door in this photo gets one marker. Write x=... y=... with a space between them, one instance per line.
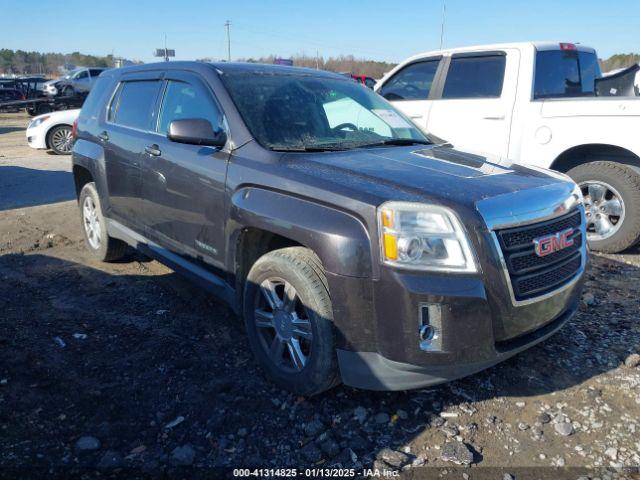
x=475 y=109
x=409 y=89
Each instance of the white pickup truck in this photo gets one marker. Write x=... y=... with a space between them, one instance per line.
x=538 y=104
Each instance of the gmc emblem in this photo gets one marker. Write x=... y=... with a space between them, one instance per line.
x=552 y=243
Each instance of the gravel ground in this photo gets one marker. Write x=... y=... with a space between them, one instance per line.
x=127 y=366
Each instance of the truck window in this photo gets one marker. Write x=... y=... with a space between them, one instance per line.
x=565 y=73
x=475 y=77
x=134 y=104
x=182 y=100
x=413 y=82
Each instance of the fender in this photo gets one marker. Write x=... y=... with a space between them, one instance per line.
x=90 y=155
x=339 y=239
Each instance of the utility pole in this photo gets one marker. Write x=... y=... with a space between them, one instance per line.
x=444 y=13
x=317 y=60
x=228 y=24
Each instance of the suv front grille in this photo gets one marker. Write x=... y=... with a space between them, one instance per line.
x=532 y=275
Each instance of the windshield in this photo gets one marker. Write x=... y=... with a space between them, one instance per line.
x=310 y=112
x=566 y=73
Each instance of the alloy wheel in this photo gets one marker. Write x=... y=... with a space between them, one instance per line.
x=283 y=325
x=91 y=223
x=62 y=140
x=604 y=209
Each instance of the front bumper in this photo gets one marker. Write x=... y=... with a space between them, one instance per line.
x=36 y=138
x=378 y=323
x=373 y=371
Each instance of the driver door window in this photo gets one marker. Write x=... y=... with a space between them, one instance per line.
x=182 y=100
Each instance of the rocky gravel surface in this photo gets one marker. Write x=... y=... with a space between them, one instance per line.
x=128 y=367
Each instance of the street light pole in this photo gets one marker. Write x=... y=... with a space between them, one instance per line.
x=444 y=12
x=228 y=24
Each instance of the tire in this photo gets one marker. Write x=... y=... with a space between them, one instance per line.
x=308 y=320
x=618 y=180
x=67 y=91
x=59 y=140
x=105 y=248
x=42 y=108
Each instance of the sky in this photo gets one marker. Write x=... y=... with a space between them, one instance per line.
x=377 y=30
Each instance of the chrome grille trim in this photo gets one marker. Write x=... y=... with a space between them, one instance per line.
x=532 y=207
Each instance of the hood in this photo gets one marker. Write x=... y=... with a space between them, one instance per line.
x=417 y=173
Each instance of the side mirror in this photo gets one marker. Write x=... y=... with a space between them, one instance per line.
x=196 y=131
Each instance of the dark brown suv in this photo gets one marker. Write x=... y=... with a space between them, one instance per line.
x=355 y=248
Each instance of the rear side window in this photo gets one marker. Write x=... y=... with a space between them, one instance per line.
x=134 y=103
x=413 y=82
x=565 y=73
x=94 y=72
x=183 y=100
x=475 y=77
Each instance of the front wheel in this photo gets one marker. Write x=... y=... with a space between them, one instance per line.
x=289 y=321
x=612 y=203
x=60 y=140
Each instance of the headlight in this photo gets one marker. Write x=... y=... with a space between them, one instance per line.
x=423 y=237
x=38 y=121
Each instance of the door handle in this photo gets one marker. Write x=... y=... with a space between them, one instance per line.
x=104 y=136
x=153 y=150
x=494 y=117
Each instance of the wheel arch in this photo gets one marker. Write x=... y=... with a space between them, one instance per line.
x=263 y=220
x=47 y=140
x=580 y=154
x=81 y=176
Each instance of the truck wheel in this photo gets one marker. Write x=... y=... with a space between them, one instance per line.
x=42 y=108
x=289 y=321
x=94 y=226
x=60 y=140
x=612 y=202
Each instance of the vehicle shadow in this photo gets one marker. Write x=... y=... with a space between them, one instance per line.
x=11 y=129
x=138 y=359
x=26 y=187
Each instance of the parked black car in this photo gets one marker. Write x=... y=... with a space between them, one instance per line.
x=354 y=248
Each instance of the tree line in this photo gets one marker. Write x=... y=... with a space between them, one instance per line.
x=619 y=60
x=21 y=62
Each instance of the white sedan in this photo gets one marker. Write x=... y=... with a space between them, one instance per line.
x=53 y=131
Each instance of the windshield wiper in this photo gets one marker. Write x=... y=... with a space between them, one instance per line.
x=309 y=148
x=397 y=141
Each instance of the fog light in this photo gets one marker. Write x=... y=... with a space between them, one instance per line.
x=426 y=333
x=430 y=327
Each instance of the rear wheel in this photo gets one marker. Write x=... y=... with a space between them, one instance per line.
x=289 y=321
x=94 y=227
x=60 y=140
x=612 y=202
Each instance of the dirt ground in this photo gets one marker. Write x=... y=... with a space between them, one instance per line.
x=127 y=367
